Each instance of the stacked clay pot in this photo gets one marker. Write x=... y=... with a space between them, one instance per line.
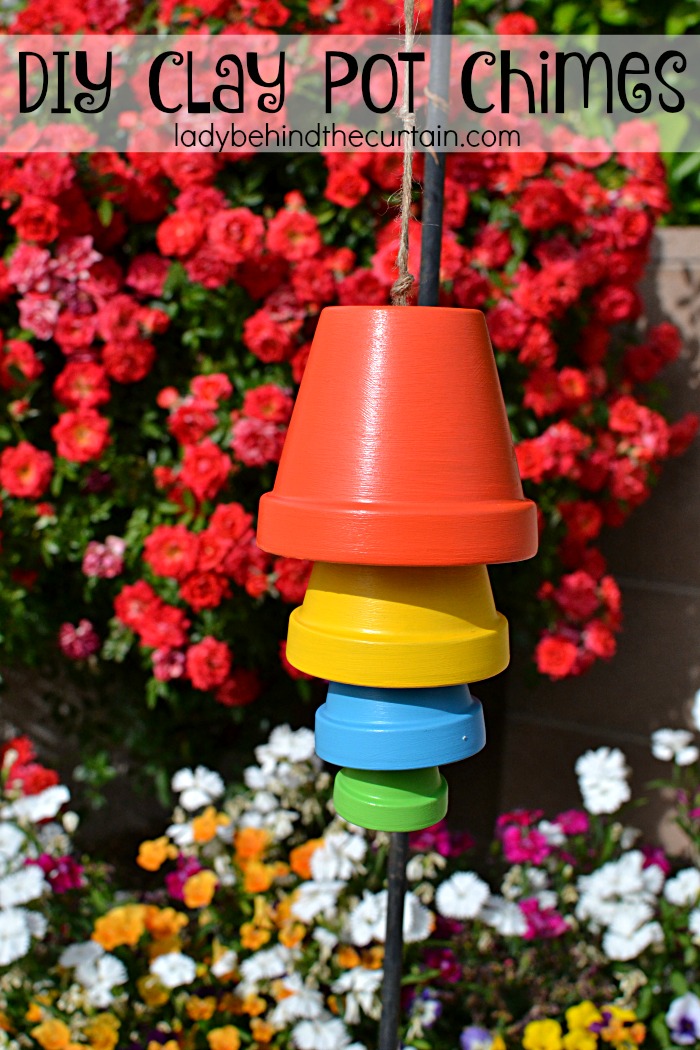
x=398 y=480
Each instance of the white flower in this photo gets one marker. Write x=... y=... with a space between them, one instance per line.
x=623 y=947
x=418 y=921
x=552 y=832
x=694 y=925
x=683 y=1020
x=462 y=896
x=317 y=898
x=266 y=965
x=301 y=1003
x=505 y=917
x=674 y=745
x=684 y=889
x=44 y=806
x=326 y=939
x=695 y=711
x=11 y=841
x=280 y=824
x=225 y=963
x=360 y=987
x=182 y=834
x=602 y=780
x=197 y=788
x=38 y=924
x=284 y=742
x=14 y=935
x=80 y=954
x=326 y=1033
x=339 y=857
x=22 y=886
x=621 y=895
x=99 y=976
x=174 y=969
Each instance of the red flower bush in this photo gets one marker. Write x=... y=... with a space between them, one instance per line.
x=156 y=315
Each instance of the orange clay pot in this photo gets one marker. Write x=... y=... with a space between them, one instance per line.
x=399 y=450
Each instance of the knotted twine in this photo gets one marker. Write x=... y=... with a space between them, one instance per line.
x=404 y=282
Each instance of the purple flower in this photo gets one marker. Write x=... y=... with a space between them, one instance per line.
x=683 y=1019
x=475 y=1038
x=175 y=880
x=654 y=855
x=63 y=873
x=444 y=960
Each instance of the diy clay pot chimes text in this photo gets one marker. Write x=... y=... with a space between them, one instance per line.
x=398 y=480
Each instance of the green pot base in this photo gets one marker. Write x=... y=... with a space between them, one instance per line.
x=397 y=800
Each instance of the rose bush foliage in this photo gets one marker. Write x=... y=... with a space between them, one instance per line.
x=156 y=314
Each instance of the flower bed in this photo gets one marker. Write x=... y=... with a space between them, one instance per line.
x=262 y=919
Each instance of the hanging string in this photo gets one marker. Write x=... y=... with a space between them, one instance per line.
x=404 y=282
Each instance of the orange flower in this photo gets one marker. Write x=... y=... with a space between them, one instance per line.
x=257 y=877
x=124 y=924
x=226 y=1038
x=53 y=1035
x=153 y=853
x=262 y=1031
x=347 y=957
x=163 y=923
x=199 y=889
x=34 y=1013
x=291 y=936
x=199 y=1009
x=250 y=843
x=253 y=937
x=300 y=858
x=205 y=826
x=373 y=958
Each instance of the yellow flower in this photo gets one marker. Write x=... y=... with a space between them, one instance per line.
x=34 y=1013
x=52 y=1035
x=199 y=889
x=122 y=925
x=153 y=853
x=151 y=990
x=583 y=1015
x=226 y=1038
x=542 y=1035
x=172 y=1044
x=300 y=858
x=103 y=1032
x=373 y=958
x=580 y=1039
x=498 y=1043
x=262 y=1031
x=163 y=923
x=200 y=1009
x=252 y=937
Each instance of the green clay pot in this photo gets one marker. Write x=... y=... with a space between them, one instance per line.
x=403 y=800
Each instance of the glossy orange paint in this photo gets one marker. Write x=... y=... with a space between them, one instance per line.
x=399 y=450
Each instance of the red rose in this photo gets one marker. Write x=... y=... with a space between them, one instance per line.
x=134 y=603
x=163 y=626
x=362 y=288
x=577 y=595
x=37 y=219
x=515 y=24
x=205 y=590
x=231 y=520
x=81 y=436
x=294 y=235
x=213 y=387
x=542 y=392
x=191 y=421
x=542 y=205
x=82 y=384
x=208 y=663
x=147 y=274
x=243 y=687
x=615 y=303
x=74 y=332
x=292 y=578
x=507 y=325
x=270 y=402
x=267 y=339
x=555 y=657
x=171 y=550
x=180 y=233
x=213 y=550
x=236 y=235
x=346 y=185
x=25 y=471
x=599 y=639
x=682 y=433
x=129 y=361
x=19 y=365
x=205 y=469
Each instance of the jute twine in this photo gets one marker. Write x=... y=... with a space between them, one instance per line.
x=404 y=282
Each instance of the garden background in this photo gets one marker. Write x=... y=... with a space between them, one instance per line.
x=156 y=315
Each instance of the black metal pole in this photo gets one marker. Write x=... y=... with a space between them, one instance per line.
x=393 y=947
x=434 y=178
x=431 y=244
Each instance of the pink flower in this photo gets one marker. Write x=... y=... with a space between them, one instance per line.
x=573 y=822
x=256 y=442
x=521 y=846
x=542 y=923
x=104 y=560
x=168 y=664
x=38 y=314
x=77 y=643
